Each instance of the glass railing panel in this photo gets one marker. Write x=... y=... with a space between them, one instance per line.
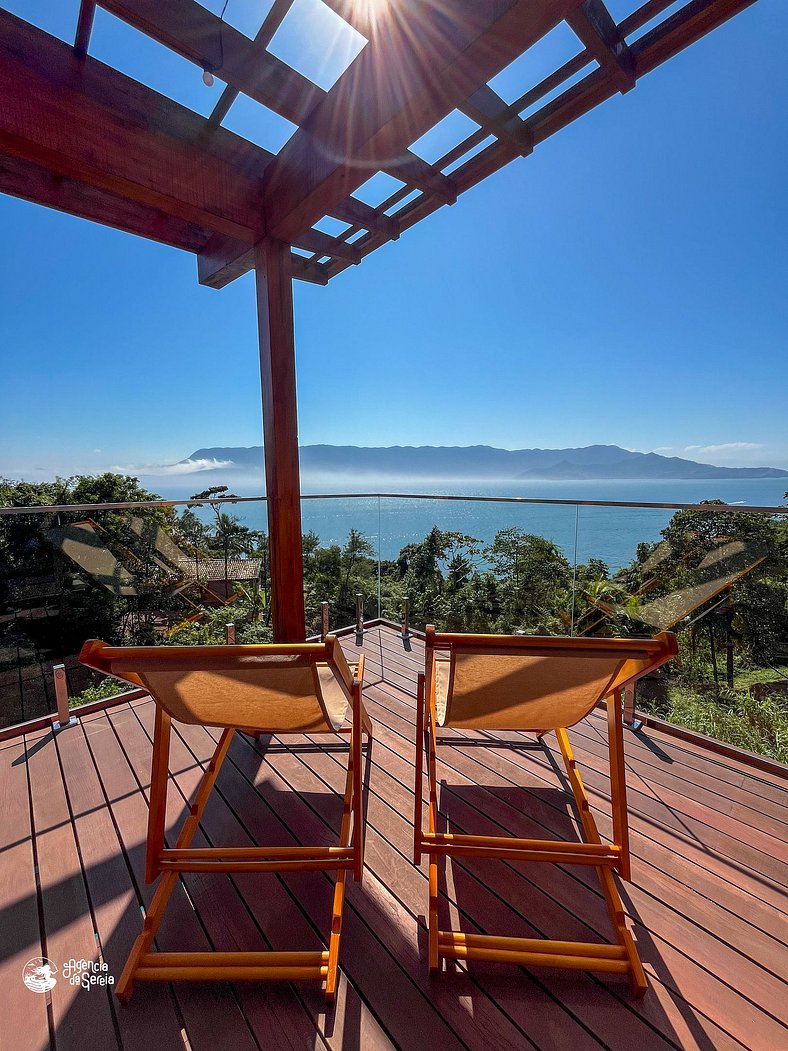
x=60 y=583
x=479 y=565
x=341 y=548
x=223 y=591
x=716 y=577
x=136 y=575
x=610 y=541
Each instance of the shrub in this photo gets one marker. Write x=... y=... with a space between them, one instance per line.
x=108 y=687
x=735 y=716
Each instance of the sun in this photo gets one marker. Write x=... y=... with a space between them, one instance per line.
x=371 y=11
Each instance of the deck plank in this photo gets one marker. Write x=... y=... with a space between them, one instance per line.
x=24 y=1013
x=115 y=901
x=707 y=901
x=70 y=931
x=547 y=890
x=288 y=820
x=206 y=1019
x=278 y=917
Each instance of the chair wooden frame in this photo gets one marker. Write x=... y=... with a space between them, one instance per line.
x=620 y=957
x=167 y=863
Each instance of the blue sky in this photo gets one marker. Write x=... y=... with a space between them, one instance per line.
x=627 y=284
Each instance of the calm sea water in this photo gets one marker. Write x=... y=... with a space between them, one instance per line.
x=611 y=534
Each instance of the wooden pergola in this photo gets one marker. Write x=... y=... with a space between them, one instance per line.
x=79 y=136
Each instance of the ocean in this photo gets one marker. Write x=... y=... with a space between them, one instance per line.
x=609 y=533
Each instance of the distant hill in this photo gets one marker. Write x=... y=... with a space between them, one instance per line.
x=481 y=462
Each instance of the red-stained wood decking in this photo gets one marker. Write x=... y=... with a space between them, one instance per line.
x=707 y=898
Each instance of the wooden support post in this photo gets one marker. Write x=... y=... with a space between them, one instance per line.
x=280 y=438
x=229 y=634
x=324 y=622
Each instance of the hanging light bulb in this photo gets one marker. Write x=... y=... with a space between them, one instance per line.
x=207 y=77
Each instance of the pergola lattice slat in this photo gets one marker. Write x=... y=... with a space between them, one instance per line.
x=263 y=38
x=87 y=13
x=603 y=40
x=187 y=28
x=395 y=96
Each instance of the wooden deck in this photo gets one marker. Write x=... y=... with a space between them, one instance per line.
x=708 y=898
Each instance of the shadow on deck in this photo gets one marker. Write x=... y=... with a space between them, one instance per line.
x=707 y=899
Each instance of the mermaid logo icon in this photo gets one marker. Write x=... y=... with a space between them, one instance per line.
x=38 y=975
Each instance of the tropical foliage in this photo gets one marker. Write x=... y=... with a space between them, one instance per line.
x=733 y=646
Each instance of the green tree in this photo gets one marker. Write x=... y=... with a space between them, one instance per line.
x=534 y=582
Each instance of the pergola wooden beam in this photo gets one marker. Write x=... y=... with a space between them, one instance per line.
x=410 y=168
x=357 y=213
x=213 y=271
x=665 y=40
x=400 y=85
x=321 y=244
x=685 y=26
x=33 y=182
x=84 y=121
x=676 y=33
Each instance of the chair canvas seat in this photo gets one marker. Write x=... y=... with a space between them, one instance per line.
x=279 y=693
x=519 y=692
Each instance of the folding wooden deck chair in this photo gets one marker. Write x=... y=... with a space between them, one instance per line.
x=501 y=682
x=277 y=689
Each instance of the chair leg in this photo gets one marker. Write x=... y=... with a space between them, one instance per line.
x=419 y=772
x=157 y=811
x=619 y=957
x=434 y=955
x=358 y=808
x=348 y=812
x=161 y=897
x=618 y=784
x=610 y=893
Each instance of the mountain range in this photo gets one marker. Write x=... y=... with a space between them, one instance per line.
x=482 y=462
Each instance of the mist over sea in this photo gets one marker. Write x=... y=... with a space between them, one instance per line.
x=611 y=534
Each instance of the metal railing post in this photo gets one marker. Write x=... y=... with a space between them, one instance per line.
x=630 y=719
x=359 y=614
x=229 y=634
x=406 y=618
x=323 y=620
x=64 y=717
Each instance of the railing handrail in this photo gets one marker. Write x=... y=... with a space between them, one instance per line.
x=649 y=505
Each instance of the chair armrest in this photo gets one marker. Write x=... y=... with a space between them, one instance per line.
x=357 y=668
